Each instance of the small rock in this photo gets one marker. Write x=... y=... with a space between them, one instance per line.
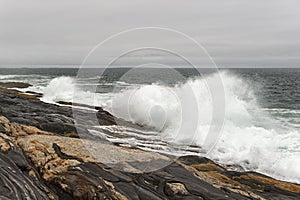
x=176 y=189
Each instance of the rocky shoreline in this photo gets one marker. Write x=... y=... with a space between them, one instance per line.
x=42 y=157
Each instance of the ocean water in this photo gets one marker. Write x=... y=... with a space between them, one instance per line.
x=261 y=129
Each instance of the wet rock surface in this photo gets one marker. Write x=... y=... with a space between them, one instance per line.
x=27 y=109
x=42 y=158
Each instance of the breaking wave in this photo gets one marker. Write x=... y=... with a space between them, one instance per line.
x=249 y=138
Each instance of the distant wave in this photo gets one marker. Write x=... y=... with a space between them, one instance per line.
x=13 y=77
x=63 y=88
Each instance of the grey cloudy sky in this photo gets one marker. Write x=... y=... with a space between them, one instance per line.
x=235 y=32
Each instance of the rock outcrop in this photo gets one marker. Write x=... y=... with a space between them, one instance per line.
x=41 y=157
x=14 y=85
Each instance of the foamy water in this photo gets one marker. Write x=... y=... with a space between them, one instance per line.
x=251 y=137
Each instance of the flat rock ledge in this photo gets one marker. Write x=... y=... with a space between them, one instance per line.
x=52 y=163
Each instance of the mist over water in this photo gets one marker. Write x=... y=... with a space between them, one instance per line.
x=262 y=112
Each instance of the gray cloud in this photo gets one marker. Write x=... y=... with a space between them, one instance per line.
x=235 y=32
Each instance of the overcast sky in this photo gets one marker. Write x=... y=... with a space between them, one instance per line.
x=235 y=32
